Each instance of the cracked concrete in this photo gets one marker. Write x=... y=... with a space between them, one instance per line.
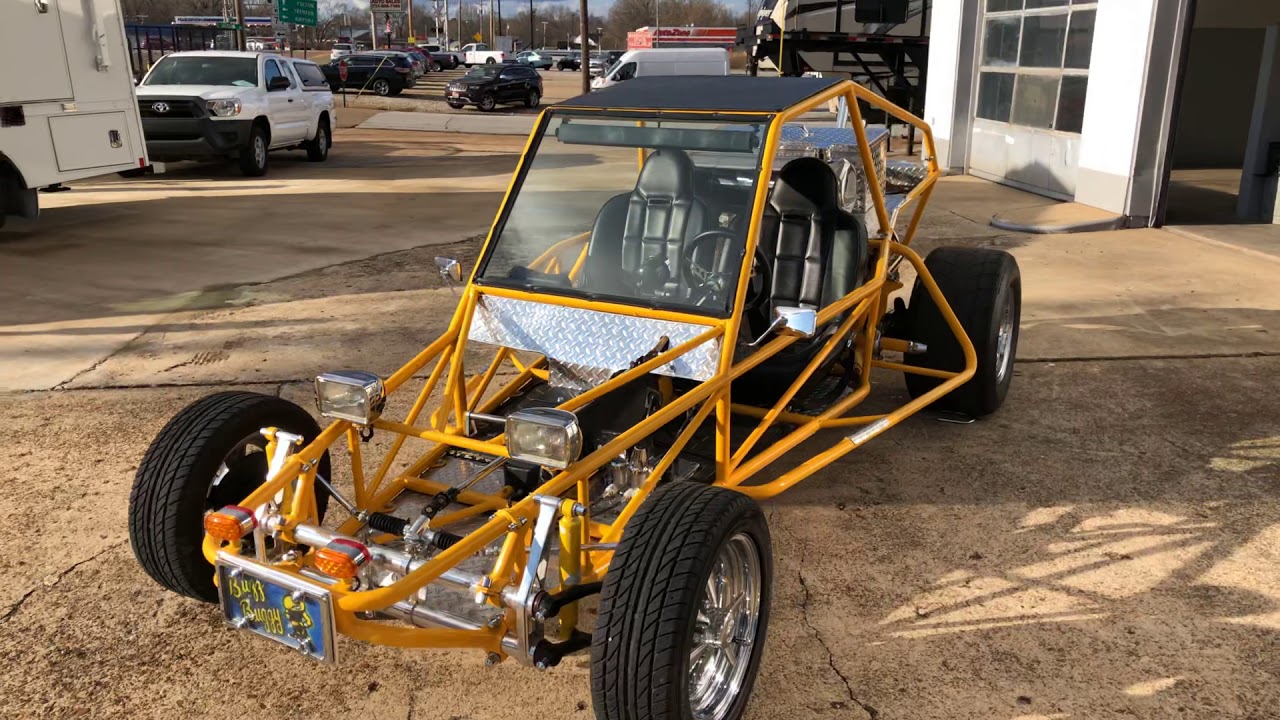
x=51 y=581
x=831 y=658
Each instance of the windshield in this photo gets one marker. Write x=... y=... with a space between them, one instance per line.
x=205 y=70
x=486 y=71
x=588 y=219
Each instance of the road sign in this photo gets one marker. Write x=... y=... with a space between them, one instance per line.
x=412 y=40
x=229 y=26
x=342 y=70
x=298 y=12
x=477 y=37
x=387 y=6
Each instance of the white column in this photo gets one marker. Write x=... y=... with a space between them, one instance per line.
x=1113 y=107
x=946 y=28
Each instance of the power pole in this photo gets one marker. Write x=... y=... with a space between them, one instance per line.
x=411 y=33
x=532 y=41
x=585 y=43
x=240 y=24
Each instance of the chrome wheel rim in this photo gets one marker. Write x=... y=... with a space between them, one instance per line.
x=259 y=151
x=381 y=87
x=324 y=141
x=724 y=630
x=1004 y=340
x=533 y=98
x=247 y=456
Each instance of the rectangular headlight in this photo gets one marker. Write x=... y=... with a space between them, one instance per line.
x=350 y=395
x=545 y=436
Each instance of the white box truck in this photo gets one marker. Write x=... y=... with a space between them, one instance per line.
x=67 y=107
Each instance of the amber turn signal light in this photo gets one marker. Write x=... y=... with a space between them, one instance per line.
x=230 y=523
x=342 y=558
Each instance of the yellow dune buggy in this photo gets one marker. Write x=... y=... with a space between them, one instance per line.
x=679 y=288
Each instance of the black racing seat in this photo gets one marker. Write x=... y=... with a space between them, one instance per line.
x=818 y=254
x=647 y=226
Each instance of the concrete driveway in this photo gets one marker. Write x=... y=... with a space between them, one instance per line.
x=1106 y=545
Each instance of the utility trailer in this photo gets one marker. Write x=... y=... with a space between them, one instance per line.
x=880 y=44
x=67 y=107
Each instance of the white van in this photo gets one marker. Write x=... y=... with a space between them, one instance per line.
x=663 y=61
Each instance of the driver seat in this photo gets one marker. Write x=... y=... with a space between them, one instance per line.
x=650 y=224
x=818 y=254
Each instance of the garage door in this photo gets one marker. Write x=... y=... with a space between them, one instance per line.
x=1033 y=75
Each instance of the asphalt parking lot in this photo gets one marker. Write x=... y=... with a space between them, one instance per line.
x=1105 y=546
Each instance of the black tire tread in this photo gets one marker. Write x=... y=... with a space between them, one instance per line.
x=162 y=489
x=648 y=598
x=970 y=279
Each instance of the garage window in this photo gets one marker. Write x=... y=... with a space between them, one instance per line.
x=1034 y=69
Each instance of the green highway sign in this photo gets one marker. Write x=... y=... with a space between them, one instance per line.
x=298 y=12
x=229 y=26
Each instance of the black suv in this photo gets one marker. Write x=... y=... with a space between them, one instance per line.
x=379 y=74
x=486 y=86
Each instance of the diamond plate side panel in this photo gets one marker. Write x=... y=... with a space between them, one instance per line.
x=585 y=347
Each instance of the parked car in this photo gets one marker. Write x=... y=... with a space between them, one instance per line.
x=221 y=104
x=447 y=59
x=415 y=63
x=570 y=61
x=428 y=63
x=369 y=72
x=488 y=86
x=480 y=54
x=341 y=49
x=534 y=59
x=601 y=62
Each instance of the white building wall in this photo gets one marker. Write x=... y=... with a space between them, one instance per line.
x=1113 y=108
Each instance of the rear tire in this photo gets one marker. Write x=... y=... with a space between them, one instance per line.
x=983 y=286
x=253 y=157
x=381 y=87
x=660 y=630
x=532 y=98
x=489 y=61
x=318 y=147
x=181 y=477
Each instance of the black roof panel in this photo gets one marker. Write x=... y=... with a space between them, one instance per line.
x=730 y=93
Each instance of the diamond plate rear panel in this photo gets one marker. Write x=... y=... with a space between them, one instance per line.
x=585 y=347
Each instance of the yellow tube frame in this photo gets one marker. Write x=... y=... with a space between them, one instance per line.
x=858 y=314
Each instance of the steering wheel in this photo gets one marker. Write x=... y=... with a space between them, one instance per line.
x=711 y=283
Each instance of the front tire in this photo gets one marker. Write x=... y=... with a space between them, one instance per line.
x=204 y=459
x=253 y=157
x=487 y=103
x=684 y=608
x=983 y=286
x=532 y=98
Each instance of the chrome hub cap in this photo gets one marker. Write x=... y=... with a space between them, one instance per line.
x=260 y=151
x=324 y=141
x=1004 y=340
x=725 y=629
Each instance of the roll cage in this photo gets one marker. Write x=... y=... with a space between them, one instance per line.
x=557 y=510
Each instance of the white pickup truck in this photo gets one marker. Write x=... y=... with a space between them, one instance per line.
x=208 y=105
x=480 y=54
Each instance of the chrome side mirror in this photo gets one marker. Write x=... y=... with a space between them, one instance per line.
x=450 y=269
x=791 y=321
x=796 y=322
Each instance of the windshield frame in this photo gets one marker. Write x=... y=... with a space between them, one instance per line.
x=526 y=161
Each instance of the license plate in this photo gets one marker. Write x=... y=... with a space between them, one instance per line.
x=278 y=606
x=454 y=94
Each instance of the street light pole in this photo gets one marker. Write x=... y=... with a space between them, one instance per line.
x=584 y=44
x=532 y=39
